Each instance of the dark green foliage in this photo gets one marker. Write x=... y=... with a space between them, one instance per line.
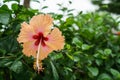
x=91 y=52
x=111 y=5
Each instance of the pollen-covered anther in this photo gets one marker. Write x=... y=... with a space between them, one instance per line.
x=38 y=68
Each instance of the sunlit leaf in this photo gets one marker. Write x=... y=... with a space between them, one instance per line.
x=4 y=18
x=93 y=70
x=104 y=76
x=17 y=66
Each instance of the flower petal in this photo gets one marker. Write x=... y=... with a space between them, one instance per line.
x=55 y=39
x=26 y=33
x=29 y=49
x=42 y=23
x=44 y=51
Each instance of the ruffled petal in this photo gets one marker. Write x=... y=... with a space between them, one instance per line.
x=55 y=39
x=26 y=33
x=29 y=49
x=44 y=51
x=42 y=23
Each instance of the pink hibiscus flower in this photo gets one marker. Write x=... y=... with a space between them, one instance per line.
x=39 y=39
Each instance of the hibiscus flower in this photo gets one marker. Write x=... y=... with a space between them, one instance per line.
x=38 y=38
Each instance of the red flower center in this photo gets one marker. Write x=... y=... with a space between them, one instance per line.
x=39 y=37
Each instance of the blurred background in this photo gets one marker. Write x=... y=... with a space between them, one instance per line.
x=92 y=40
x=78 y=5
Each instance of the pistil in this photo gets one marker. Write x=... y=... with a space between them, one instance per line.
x=39 y=66
x=39 y=42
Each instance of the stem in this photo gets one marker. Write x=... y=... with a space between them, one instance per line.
x=27 y=3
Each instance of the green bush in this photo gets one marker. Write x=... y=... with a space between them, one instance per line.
x=91 y=51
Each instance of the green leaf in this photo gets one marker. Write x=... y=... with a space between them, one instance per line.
x=17 y=66
x=107 y=52
x=56 y=56
x=76 y=58
x=114 y=72
x=104 y=76
x=15 y=6
x=70 y=56
x=85 y=47
x=54 y=71
x=69 y=69
x=70 y=2
x=44 y=7
x=77 y=42
x=2 y=51
x=93 y=70
x=64 y=9
x=118 y=61
x=68 y=46
x=36 y=1
x=12 y=0
x=99 y=62
x=4 y=18
x=4 y=8
x=5 y=62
